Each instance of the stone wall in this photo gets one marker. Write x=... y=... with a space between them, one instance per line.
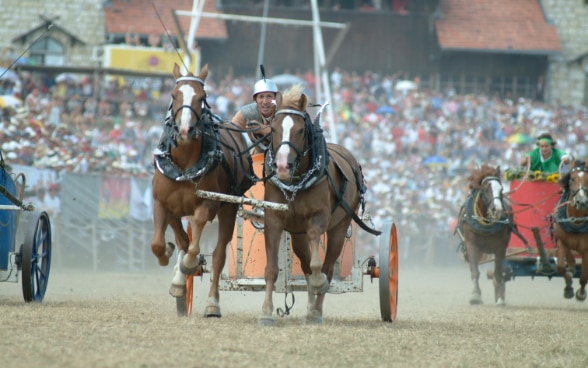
x=82 y=18
x=567 y=80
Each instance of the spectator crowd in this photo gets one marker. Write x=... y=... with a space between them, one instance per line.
x=416 y=145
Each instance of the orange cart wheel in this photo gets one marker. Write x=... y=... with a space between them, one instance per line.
x=184 y=303
x=388 y=272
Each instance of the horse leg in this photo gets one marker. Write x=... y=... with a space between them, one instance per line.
x=302 y=251
x=581 y=293
x=190 y=261
x=499 y=284
x=178 y=286
x=562 y=269
x=473 y=259
x=272 y=233
x=159 y=248
x=335 y=241
x=319 y=284
x=226 y=226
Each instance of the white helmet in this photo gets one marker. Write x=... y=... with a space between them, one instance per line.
x=264 y=85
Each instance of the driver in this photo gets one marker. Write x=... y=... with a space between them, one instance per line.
x=256 y=116
x=545 y=157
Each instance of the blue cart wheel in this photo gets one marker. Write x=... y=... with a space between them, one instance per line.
x=35 y=255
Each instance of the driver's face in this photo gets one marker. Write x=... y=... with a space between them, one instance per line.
x=545 y=149
x=266 y=103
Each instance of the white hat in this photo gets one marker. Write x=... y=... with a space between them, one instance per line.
x=264 y=85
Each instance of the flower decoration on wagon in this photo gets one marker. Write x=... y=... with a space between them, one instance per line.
x=518 y=174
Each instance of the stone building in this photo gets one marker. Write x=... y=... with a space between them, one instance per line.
x=381 y=40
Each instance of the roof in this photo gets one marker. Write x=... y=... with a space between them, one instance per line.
x=142 y=17
x=496 y=26
x=48 y=24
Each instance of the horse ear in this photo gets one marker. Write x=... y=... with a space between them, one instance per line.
x=498 y=171
x=279 y=99
x=204 y=72
x=176 y=71
x=303 y=102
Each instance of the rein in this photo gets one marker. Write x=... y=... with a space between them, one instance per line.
x=522 y=181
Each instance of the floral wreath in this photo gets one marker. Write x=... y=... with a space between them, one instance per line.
x=516 y=174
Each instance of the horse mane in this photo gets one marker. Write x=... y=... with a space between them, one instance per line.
x=479 y=173
x=292 y=96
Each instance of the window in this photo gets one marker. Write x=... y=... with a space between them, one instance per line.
x=47 y=51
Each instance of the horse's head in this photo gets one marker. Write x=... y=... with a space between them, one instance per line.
x=486 y=180
x=577 y=183
x=290 y=130
x=491 y=192
x=188 y=98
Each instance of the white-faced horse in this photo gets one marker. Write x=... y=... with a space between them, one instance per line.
x=198 y=153
x=323 y=186
x=571 y=228
x=485 y=225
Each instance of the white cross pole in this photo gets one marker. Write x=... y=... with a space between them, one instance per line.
x=319 y=54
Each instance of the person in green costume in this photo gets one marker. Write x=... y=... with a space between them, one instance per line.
x=545 y=157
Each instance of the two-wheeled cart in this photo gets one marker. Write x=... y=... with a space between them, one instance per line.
x=28 y=254
x=246 y=260
x=534 y=254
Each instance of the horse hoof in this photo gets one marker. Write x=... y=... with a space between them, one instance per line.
x=313 y=319
x=319 y=288
x=169 y=249
x=476 y=301
x=163 y=261
x=189 y=270
x=569 y=292
x=267 y=321
x=580 y=296
x=212 y=312
x=501 y=303
x=177 y=290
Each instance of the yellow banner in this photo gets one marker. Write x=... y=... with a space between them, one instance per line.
x=146 y=59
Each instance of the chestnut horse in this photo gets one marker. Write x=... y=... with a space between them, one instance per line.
x=323 y=185
x=197 y=153
x=571 y=228
x=485 y=225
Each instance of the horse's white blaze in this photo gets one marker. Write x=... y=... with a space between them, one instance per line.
x=582 y=192
x=496 y=188
x=284 y=150
x=188 y=94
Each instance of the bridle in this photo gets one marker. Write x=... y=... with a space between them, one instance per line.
x=489 y=200
x=575 y=200
x=300 y=154
x=194 y=131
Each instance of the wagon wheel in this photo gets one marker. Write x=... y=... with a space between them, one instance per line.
x=35 y=255
x=184 y=303
x=388 y=272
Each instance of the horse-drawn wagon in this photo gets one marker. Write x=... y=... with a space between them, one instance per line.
x=553 y=211
x=247 y=254
x=205 y=160
x=538 y=228
x=26 y=251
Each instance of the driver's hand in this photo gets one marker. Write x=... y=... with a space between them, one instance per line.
x=525 y=161
x=265 y=130
x=253 y=124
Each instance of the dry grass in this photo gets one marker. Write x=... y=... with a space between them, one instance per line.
x=128 y=320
